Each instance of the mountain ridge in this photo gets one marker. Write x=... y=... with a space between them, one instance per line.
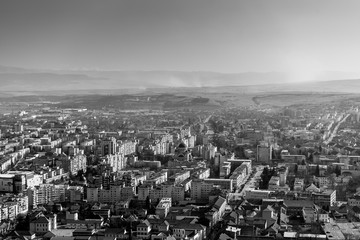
x=14 y=79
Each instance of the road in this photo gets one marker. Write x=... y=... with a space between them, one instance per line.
x=208 y=118
x=251 y=182
x=333 y=134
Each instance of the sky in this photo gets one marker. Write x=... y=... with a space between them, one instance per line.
x=301 y=37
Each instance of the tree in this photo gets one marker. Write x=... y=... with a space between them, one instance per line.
x=147 y=203
x=273 y=155
x=80 y=172
x=265 y=177
x=353 y=184
x=265 y=171
x=337 y=170
x=317 y=171
x=203 y=221
x=219 y=142
x=332 y=182
x=311 y=157
x=296 y=169
x=239 y=152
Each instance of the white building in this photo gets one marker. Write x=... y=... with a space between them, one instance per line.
x=162 y=209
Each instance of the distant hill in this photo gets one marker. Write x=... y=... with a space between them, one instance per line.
x=14 y=79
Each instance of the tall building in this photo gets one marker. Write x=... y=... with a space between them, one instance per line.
x=115 y=161
x=77 y=163
x=263 y=153
x=200 y=190
x=73 y=164
x=45 y=193
x=114 y=194
x=108 y=146
x=18 y=127
x=325 y=199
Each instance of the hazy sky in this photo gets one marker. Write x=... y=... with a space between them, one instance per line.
x=189 y=35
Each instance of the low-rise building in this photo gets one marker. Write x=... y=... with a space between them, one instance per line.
x=163 y=207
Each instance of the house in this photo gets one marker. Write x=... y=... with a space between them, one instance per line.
x=323 y=216
x=21 y=235
x=162 y=236
x=83 y=234
x=159 y=225
x=340 y=212
x=354 y=200
x=312 y=188
x=104 y=212
x=248 y=231
x=354 y=213
x=118 y=233
x=143 y=230
x=43 y=224
x=269 y=215
x=260 y=223
x=217 y=211
x=48 y=236
x=220 y=206
x=273 y=230
x=189 y=231
x=309 y=214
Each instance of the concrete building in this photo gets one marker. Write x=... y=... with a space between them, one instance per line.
x=179 y=177
x=108 y=146
x=156 y=179
x=202 y=173
x=299 y=184
x=325 y=199
x=92 y=194
x=253 y=194
x=225 y=184
x=116 y=161
x=46 y=193
x=76 y=163
x=176 y=192
x=354 y=201
x=200 y=190
x=163 y=207
x=263 y=154
x=7 y=182
x=298 y=159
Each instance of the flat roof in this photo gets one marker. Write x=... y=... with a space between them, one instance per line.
x=333 y=232
x=63 y=232
x=5 y=175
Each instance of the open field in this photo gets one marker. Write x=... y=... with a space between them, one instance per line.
x=288 y=99
x=206 y=98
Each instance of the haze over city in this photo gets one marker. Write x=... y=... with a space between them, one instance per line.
x=307 y=40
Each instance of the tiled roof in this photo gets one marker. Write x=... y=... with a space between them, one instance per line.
x=41 y=220
x=145 y=223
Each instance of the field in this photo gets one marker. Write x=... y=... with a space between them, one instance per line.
x=288 y=99
x=199 y=98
